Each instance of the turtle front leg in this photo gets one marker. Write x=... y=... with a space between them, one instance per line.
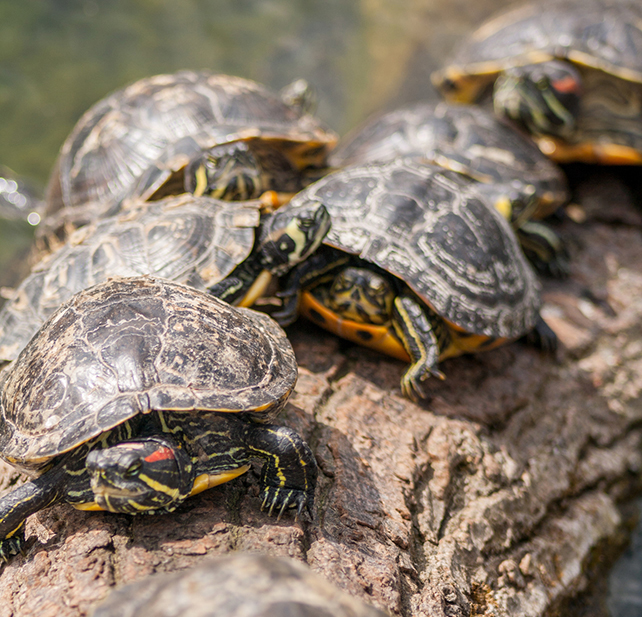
x=423 y=335
x=289 y=473
x=21 y=503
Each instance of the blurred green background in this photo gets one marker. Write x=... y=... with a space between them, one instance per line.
x=58 y=57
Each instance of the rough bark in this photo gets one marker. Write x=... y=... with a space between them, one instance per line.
x=499 y=496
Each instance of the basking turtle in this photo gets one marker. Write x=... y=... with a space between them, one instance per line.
x=190 y=131
x=416 y=265
x=140 y=392
x=229 y=249
x=570 y=71
x=517 y=178
x=247 y=584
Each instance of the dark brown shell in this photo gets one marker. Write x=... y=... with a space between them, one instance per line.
x=602 y=34
x=236 y=584
x=192 y=240
x=431 y=228
x=132 y=345
x=602 y=38
x=127 y=144
x=464 y=138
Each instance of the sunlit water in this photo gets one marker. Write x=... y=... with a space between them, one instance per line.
x=58 y=57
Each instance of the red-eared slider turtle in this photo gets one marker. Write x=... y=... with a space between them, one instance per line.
x=229 y=249
x=138 y=393
x=235 y=585
x=517 y=178
x=189 y=131
x=417 y=265
x=570 y=71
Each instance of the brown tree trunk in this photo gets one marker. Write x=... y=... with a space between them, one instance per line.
x=499 y=496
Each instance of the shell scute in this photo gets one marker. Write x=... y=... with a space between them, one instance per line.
x=430 y=228
x=117 y=350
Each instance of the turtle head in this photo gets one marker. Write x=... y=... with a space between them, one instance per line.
x=228 y=171
x=362 y=295
x=140 y=475
x=290 y=235
x=300 y=95
x=544 y=98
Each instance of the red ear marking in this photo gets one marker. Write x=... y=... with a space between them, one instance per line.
x=161 y=454
x=566 y=84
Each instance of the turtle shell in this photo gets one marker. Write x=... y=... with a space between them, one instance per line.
x=431 y=228
x=238 y=583
x=464 y=138
x=132 y=345
x=128 y=143
x=603 y=38
x=192 y=240
x=601 y=34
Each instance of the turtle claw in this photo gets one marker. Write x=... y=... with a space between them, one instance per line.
x=277 y=500
x=412 y=381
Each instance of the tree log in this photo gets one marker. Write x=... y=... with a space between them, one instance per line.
x=498 y=496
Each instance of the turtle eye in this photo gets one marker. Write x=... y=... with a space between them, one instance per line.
x=134 y=469
x=448 y=85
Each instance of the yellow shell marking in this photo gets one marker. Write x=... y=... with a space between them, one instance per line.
x=379 y=338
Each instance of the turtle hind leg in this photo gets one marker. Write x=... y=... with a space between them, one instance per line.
x=423 y=335
x=289 y=474
x=544 y=249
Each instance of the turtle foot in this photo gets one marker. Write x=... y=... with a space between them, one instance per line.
x=276 y=500
x=412 y=381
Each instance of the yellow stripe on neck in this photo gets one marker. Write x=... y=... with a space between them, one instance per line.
x=201 y=181
x=205 y=481
x=257 y=289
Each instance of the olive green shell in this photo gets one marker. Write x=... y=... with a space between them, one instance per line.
x=193 y=240
x=464 y=138
x=602 y=34
x=430 y=228
x=127 y=144
x=132 y=345
x=234 y=585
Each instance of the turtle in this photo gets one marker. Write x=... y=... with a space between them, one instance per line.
x=229 y=249
x=569 y=71
x=140 y=392
x=416 y=265
x=248 y=584
x=518 y=178
x=190 y=131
